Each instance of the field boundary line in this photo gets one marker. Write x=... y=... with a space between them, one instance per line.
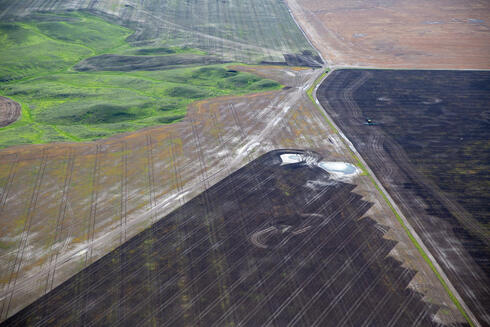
x=412 y=234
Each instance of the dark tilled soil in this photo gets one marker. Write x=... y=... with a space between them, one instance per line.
x=306 y=59
x=316 y=262
x=427 y=142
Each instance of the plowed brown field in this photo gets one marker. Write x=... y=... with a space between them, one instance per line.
x=398 y=33
x=63 y=206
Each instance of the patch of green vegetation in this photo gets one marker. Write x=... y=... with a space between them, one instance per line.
x=185 y=91
x=88 y=31
x=241 y=80
x=87 y=106
x=213 y=72
x=41 y=46
x=309 y=92
x=59 y=104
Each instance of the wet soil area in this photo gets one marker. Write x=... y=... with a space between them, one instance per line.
x=9 y=111
x=271 y=243
x=425 y=134
x=303 y=59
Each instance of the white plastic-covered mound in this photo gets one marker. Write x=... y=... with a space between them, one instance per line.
x=339 y=169
x=289 y=158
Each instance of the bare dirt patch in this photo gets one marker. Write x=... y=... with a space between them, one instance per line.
x=400 y=33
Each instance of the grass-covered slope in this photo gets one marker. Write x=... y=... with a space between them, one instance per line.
x=44 y=44
x=60 y=104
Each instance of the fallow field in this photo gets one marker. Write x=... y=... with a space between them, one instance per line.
x=427 y=140
x=275 y=243
x=398 y=33
x=160 y=90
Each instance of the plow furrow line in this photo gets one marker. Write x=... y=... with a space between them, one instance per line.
x=59 y=222
x=386 y=297
x=400 y=310
x=124 y=193
x=188 y=250
x=151 y=179
x=283 y=262
x=349 y=284
x=295 y=271
x=360 y=299
x=93 y=205
x=303 y=284
x=25 y=235
x=8 y=185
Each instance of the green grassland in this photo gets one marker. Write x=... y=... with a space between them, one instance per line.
x=60 y=104
x=44 y=44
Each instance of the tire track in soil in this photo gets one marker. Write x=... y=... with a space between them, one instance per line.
x=25 y=235
x=93 y=206
x=124 y=192
x=314 y=275
x=53 y=260
x=8 y=184
x=283 y=262
x=151 y=179
x=177 y=176
x=182 y=254
x=187 y=251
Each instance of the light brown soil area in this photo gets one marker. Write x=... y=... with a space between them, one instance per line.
x=398 y=33
x=63 y=206
x=9 y=111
